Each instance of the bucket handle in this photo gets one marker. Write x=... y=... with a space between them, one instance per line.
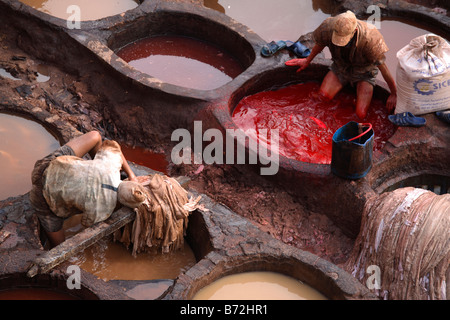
x=365 y=132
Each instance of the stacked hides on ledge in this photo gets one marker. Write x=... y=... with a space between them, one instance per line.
x=406 y=234
x=161 y=221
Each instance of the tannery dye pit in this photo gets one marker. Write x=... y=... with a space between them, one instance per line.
x=137 y=71
x=306 y=121
x=182 y=61
x=258 y=286
x=298 y=17
x=89 y=10
x=34 y=294
x=22 y=143
x=109 y=260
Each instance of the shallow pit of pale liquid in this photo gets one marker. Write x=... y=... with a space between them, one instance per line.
x=149 y=291
x=7 y=75
x=31 y=293
x=146 y=158
x=258 y=286
x=89 y=10
x=273 y=20
x=42 y=73
x=109 y=260
x=22 y=143
x=182 y=61
x=305 y=121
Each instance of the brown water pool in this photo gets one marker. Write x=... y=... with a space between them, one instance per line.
x=22 y=142
x=109 y=260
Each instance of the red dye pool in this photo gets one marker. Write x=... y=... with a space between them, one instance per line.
x=305 y=121
x=146 y=158
x=182 y=61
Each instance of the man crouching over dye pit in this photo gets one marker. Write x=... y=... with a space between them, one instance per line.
x=65 y=184
x=357 y=50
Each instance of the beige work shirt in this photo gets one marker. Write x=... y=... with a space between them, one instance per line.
x=74 y=185
x=364 y=54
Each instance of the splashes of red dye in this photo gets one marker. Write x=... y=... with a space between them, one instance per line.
x=307 y=122
x=319 y=123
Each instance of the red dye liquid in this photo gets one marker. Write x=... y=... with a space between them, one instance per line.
x=307 y=122
x=182 y=61
x=146 y=158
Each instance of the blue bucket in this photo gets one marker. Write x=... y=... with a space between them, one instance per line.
x=352 y=150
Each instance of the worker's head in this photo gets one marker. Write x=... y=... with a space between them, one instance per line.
x=131 y=194
x=344 y=28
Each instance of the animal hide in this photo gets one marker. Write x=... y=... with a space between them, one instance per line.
x=405 y=233
x=161 y=221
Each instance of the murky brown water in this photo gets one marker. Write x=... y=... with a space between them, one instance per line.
x=258 y=286
x=90 y=10
x=34 y=294
x=112 y=261
x=22 y=143
x=276 y=20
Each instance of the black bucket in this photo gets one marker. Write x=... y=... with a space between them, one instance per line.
x=352 y=150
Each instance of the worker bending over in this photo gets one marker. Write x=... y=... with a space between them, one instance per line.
x=65 y=184
x=357 y=50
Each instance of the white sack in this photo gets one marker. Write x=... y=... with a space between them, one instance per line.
x=423 y=75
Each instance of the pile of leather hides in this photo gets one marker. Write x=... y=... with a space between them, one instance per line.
x=161 y=221
x=405 y=233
